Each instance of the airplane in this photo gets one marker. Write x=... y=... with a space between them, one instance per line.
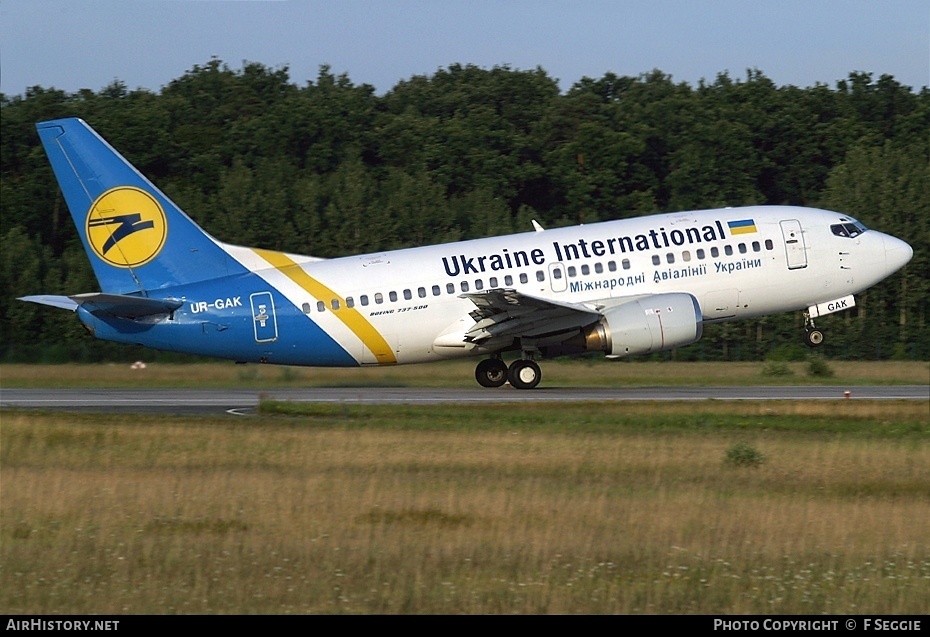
x=626 y=287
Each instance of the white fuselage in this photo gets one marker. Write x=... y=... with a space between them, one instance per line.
x=774 y=259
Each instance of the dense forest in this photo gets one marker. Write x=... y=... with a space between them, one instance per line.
x=331 y=168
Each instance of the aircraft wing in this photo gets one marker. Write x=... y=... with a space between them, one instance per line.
x=122 y=305
x=502 y=313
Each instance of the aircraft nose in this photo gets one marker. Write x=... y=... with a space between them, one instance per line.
x=897 y=253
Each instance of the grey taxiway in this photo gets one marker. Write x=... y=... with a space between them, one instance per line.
x=244 y=401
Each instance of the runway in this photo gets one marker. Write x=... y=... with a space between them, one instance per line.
x=244 y=401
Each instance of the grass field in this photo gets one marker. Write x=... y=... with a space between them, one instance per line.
x=586 y=372
x=711 y=507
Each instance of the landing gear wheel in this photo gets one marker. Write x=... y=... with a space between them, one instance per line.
x=524 y=374
x=491 y=372
x=813 y=337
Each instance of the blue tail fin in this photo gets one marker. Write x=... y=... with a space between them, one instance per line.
x=137 y=239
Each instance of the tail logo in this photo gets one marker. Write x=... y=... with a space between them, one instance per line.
x=126 y=227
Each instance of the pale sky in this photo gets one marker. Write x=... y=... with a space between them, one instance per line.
x=75 y=44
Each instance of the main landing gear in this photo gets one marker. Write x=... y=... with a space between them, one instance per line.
x=523 y=373
x=813 y=337
x=491 y=372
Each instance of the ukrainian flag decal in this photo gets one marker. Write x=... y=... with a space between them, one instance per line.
x=743 y=226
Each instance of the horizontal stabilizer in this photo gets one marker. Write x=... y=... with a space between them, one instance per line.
x=63 y=302
x=121 y=305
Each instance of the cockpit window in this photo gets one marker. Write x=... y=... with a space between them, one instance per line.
x=849 y=229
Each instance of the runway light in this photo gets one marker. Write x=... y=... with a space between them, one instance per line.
x=847 y=393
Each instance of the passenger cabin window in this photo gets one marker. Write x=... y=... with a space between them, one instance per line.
x=408 y=295
x=392 y=296
x=379 y=298
x=320 y=306
x=524 y=278
x=364 y=299
x=728 y=249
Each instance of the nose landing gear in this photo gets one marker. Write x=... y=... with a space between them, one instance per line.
x=813 y=336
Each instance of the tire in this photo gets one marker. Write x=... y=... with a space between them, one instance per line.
x=491 y=372
x=813 y=337
x=524 y=374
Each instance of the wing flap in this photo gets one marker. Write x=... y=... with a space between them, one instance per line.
x=504 y=313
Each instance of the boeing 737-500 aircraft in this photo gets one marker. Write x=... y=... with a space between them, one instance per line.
x=626 y=287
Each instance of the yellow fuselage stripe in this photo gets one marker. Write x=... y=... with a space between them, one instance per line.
x=352 y=318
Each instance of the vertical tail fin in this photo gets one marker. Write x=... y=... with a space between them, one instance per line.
x=136 y=238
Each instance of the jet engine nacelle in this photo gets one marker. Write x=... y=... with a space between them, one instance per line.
x=650 y=324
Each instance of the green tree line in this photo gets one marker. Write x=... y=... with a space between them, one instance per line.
x=331 y=168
